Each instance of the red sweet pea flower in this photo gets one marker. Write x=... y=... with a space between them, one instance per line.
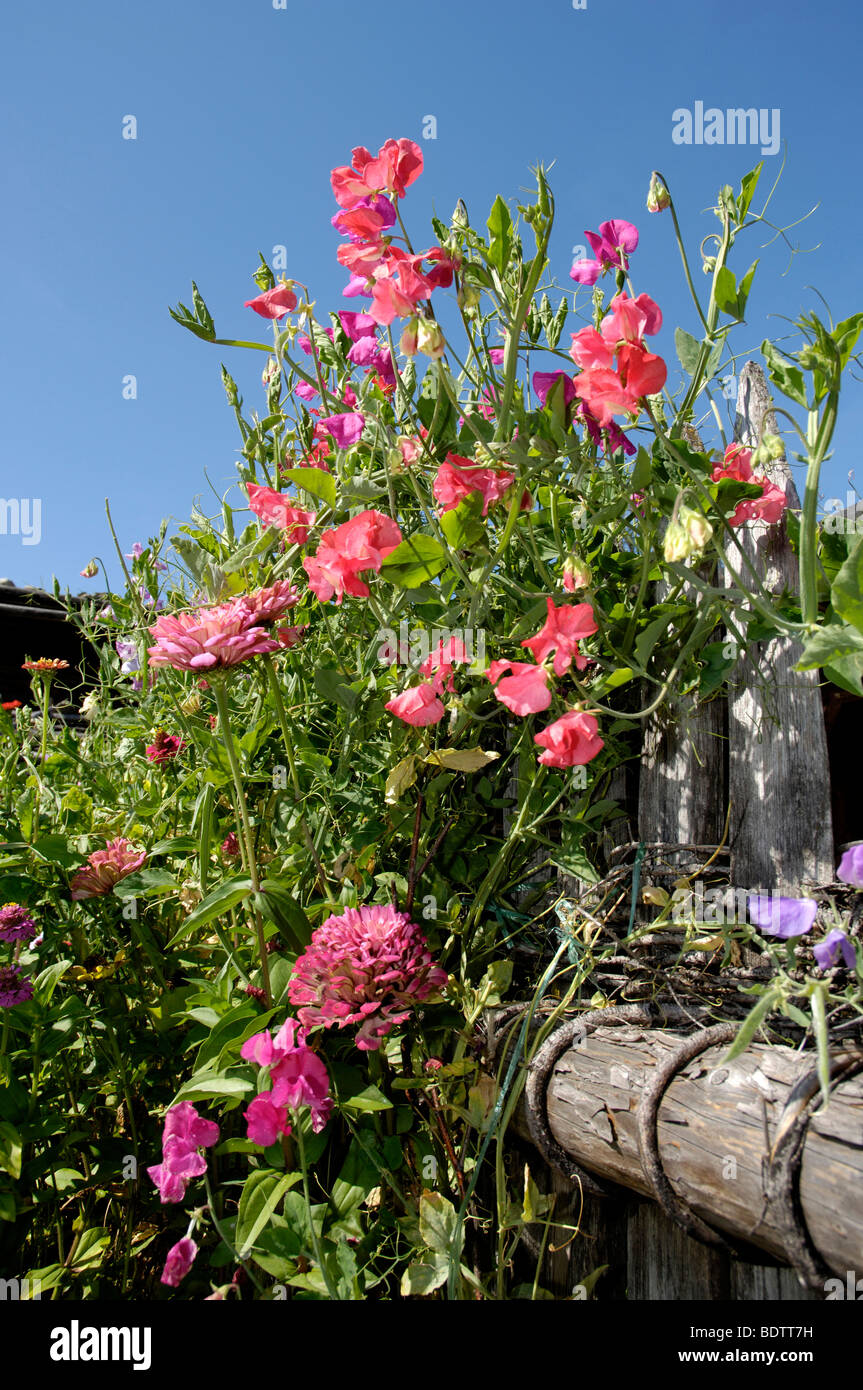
x=274 y=303
x=737 y=464
x=569 y=741
x=644 y=372
x=563 y=630
x=458 y=477
x=397 y=164
x=274 y=509
x=441 y=663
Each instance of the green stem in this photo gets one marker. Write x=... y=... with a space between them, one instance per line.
x=315 y=1242
x=295 y=780
x=245 y=827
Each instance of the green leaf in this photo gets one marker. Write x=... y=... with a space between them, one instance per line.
x=418 y=559
x=315 y=480
x=331 y=685
x=261 y=1194
x=91 y=1248
x=751 y=1023
x=846 y=672
x=642 y=471
x=278 y=903
x=438 y=1223
x=845 y=335
x=228 y=894
x=400 y=779
x=846 y=593
x=748 y=185
x=725 y=291
x=829 y=643
x=145 y=883
x=787 y=378
x=460 y=759
x=500 y=231
x=648 y=639
x=743 y=289
x=10 y=1150
x=461 y=525
x=424 y=1275
x=369 y=1099
x=688 y=350
x=205 y=1085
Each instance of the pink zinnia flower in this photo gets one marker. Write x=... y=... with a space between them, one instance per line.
x=16 y=924
x=164 y=747
x=180 y=1259
x=15 y=988
x=561 y=633
x=570 y=741
x=267 y=605
x=418 y=706
x=274 y=509
x=525 y=690
x=274 y=303
x=370 y=966
x=209 y=639
x=104 y=868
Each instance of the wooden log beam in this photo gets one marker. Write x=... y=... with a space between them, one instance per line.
x=716 y=1127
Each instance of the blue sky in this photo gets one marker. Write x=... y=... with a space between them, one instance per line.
x=242 y=109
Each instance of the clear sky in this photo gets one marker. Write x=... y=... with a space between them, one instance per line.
x=243 y=108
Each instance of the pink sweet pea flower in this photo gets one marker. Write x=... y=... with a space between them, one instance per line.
x=362 y=543
x=630 y=319
x=442 y=662
x=180 y=1259
x=265 y=1120
x=458 y=477
x=496 y=355
x=418 y=706
x=737 y=464
x=525 y=690
x=611 y=246
x=274 y=303
x=395 y=167
x=184 y=1133
x=564 y=628
x=366 y=220
x=357 y=325
x=274 y=509
x=299 y=1078
x=570 y=741
x=590 y=351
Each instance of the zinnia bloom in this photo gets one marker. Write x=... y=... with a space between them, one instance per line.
x=105 y=868
x=782 y=917
x=570 y=741
x=370 y=966
x=16 y=924
x=164 y=747
x=15 y=988
x=209 y=639
x=563 y=629
x=268 y=605
x=180 y=1259
x=45 y=663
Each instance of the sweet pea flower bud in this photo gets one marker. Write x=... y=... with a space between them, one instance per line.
x=459 y=217
x=90 y=570
x=469 y=297
x=775 y=445
x=408 y=341
x=658 y=196
x=395 y=462
x=270 y=372
x=430 y=339
x=677 y=546
x=697 y=527
x=655 y=896
x=576 y=574
x=709 y=265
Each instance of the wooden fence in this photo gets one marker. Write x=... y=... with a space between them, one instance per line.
x=761 y=749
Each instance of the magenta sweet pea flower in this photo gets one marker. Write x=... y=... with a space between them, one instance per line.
x=184 y=1134
x=611 y=246
x=345 y=429
x=543 y=382
x=180 y=1259
x=782 y=917
x=826 y=951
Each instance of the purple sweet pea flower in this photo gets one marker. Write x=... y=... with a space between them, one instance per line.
x=827 y=950
x=357 y=325
x=136 y=552
x=362 y=351
x=611 y=246
x=851 y=867
x=345 y=429
x=543 y=382
x=128 y=654
x=305 y=391
x=783 y=917
x=496 y=355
